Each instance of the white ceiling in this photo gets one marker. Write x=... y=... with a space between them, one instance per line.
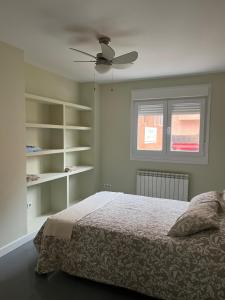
x=173 y=37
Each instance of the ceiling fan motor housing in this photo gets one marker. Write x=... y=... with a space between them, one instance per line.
x=104 y=40
x=100 y=60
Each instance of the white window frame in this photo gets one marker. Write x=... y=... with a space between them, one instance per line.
x=167 y=96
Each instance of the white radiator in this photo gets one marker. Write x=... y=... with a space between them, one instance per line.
x=162 y=185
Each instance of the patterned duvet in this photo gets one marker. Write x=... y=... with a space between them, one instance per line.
x=125 y=243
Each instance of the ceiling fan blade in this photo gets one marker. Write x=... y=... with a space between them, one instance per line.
x=121 y=66
x=84 y=61
x=83 y=52
x=126 y=58
x=107 y=52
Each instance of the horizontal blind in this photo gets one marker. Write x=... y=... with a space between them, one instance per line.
x=150 y=109
x=186 y=107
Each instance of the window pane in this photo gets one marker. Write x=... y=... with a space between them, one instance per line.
x=185 y=127
x=150 y=127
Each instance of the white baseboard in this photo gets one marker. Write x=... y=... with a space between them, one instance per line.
x=17 y=243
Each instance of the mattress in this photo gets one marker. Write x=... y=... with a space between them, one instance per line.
x=125 y=243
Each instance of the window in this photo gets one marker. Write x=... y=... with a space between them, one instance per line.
x=170 y=128
x=150 y=126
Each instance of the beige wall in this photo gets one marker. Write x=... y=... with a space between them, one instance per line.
x=44 y=83
x=90 y=96
x=12 y=137
x=116 y=166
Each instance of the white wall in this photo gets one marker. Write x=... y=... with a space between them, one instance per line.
x=90 y=96
x=41 y=82
x=116 y=166
x=12 y=137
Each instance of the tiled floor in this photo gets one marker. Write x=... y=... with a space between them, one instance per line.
x=18 y=281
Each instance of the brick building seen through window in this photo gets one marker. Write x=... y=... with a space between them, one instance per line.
x=185 y=132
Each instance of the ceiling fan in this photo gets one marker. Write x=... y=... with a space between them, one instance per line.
x=106 y=59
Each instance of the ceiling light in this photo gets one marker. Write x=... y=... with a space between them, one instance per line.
x=101 y=68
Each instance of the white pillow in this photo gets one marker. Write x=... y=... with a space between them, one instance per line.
x=195 y=219
x=202 y=213
x=210 y=197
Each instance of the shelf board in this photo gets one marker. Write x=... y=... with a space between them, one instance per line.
x=80 y=169
x=53 y=126
x=44 y=177
x=78 y=106
x=73 y=149
x=53 y=101
x=35 y=223
x=71 y=127
x=44 y=152
x=37 y=125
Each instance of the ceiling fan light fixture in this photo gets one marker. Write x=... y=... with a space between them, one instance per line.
x=102 y=68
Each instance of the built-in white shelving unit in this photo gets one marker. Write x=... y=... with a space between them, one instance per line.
x=77 y=149
x=48 y=126
x=62 y=130
x=52 y=176
x=45 y=152
x=56 y=101
x=78 y=127
x=80 y=169
x=46 y=177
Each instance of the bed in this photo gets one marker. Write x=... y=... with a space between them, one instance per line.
x=122 y=240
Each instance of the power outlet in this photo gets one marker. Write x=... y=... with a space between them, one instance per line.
x=29 y=204
x=107 y=186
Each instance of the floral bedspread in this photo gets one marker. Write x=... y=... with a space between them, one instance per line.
x=125 y=243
